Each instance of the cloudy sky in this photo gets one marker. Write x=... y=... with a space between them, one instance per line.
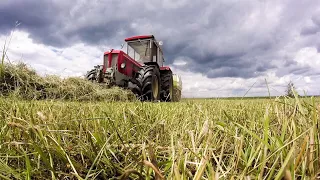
x=219 y=48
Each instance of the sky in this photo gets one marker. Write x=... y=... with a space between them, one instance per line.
x=220 y=48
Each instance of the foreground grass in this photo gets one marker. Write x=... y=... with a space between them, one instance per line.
x=202 y=139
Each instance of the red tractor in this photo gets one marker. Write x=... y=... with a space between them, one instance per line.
x=140 y=68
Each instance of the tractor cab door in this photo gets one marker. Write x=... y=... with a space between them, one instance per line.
x=159 y=53
x=156 y=52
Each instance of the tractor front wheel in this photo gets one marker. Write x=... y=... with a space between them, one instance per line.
x=148 y=81
x=91 y=75
x=95 y=75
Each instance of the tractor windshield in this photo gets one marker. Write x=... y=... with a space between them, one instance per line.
x=139 y=50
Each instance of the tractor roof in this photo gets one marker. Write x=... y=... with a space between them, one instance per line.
x=139 y=37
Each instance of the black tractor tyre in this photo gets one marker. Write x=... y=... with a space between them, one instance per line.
x=135 y=88
x=148 y=83
x=91 y=75
x=166 y=87
x=95 y=75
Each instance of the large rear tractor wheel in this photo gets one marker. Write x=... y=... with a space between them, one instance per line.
x=166 y=87
x=148 y=82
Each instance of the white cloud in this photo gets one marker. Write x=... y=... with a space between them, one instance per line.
x=307 y=79
x=71 y=61
x=308 y=56
x=179 y=62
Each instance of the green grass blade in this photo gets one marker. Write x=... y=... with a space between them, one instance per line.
x=96 y=160
x=284 y=165
x=28 y=167
x=253 y=135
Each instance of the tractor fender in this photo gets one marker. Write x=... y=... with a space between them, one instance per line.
x=165 y=68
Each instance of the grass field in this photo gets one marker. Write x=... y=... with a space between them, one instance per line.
x=191 y=139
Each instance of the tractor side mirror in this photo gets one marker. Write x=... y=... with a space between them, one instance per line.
x=160 y=43
x=122 y=46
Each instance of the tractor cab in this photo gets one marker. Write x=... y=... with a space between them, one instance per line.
x=144 y=49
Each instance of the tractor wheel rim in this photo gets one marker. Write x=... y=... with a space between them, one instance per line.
x=155 y=87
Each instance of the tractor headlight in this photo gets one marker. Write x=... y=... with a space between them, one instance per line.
x=123 y=65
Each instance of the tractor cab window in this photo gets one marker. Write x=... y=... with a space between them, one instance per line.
x=139 y=50
x=132 y=53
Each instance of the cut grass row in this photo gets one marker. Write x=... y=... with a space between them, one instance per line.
x=257 y=139
x=18 y=80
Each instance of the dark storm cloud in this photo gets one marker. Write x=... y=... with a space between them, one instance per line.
x=309 y=30
x=102 y=33
x=240 y=68
x=295 y=69
x=36 y=17
x=26 y=11
x=288 y=63
x=316 y=18
x=314 y=27
x=219 y=38
x=56 y=23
